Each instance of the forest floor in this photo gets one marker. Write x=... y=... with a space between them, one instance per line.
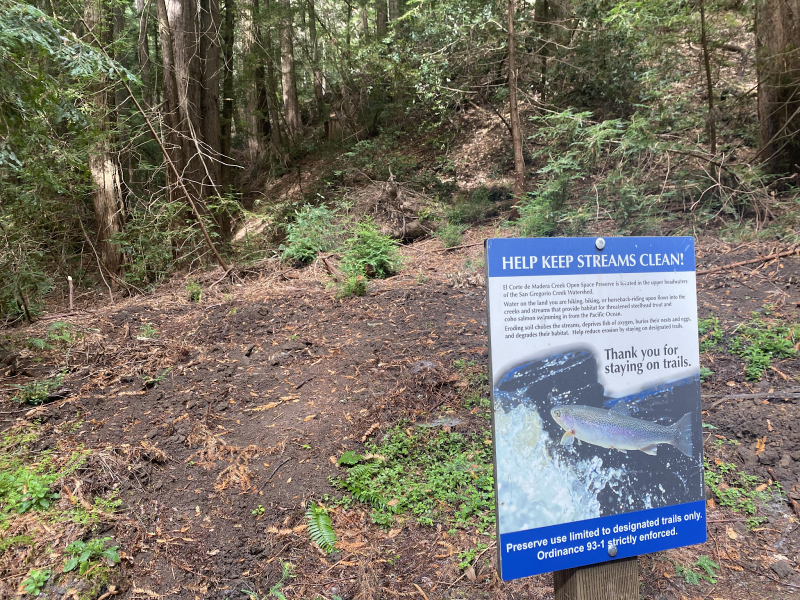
x=202 y=470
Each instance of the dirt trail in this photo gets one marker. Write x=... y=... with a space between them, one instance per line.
x=271 y=381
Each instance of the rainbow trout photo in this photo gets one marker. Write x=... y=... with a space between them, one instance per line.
x=595 y=377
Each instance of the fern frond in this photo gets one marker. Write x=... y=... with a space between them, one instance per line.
x=365 y=470
x=320 y=529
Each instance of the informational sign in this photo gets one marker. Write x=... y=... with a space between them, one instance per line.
x=595 y=374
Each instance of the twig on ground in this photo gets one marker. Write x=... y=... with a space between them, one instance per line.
x=792 y=251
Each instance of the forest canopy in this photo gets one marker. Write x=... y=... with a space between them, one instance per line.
x=139 y=138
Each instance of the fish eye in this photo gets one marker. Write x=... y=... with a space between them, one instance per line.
x=558 y=412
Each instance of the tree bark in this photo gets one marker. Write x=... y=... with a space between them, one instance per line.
x=291 y=105
x=190 y=51
x=394 y=11
x=516 y=133
x=364 y=23
x=380 y=18
x=226 y=119
x=143 y=51
x=316 y=71
x=711 y=123
x=276 y=132
x=254 y=83
x=107 y=191
x=778 y=66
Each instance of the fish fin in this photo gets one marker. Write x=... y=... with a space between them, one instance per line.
x=682 y=432
x=621 y=407
x=651 y=449
x=567 y=438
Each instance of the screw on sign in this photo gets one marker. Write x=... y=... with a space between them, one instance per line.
x=596 y=407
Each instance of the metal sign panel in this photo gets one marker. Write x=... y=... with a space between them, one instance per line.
x=595 y=374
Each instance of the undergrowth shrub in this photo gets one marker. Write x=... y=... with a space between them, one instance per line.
x=314 y=230
x=370 y=253
x=472 y=209
x=450 y=235
x=433 y=475
x=36 y=392
x=759 y=342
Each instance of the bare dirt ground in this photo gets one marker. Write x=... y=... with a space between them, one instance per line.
x=250 y=396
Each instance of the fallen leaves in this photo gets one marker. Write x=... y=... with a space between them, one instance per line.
x=369 y=432
x=267 y=406
x=761 y=444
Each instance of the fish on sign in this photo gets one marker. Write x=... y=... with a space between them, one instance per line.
x=595 y=373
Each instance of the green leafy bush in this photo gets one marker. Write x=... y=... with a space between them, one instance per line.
x=37 y=392
x=83 y=554
x=194 y=293
x=353 y=285
x=434 y=476
x=368 y=252
x=35 y=581
x=472 y=209
x=759 y=342
x=450 y=235
x=314 y=230
x=22 y=490
x=710 y=333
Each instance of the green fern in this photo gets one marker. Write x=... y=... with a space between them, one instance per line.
x=364 y=471
x=320 y=529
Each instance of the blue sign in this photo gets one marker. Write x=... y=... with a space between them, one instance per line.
x=594 y=365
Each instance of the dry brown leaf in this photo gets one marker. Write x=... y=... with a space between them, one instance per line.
x=769 y=425
x=761 y=487
x=470 y=573
x=731 y=533
x=263 y=407
x=761 y=444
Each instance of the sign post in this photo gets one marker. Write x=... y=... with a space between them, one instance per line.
x=596 y=421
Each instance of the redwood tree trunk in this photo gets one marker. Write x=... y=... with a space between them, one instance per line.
x=291 y=106
x=226 y=119
x=107 y=191
x=778 y=65
x=316 y=71
x=516 y=133
x=380 y=18
x=254 y=82
x=190 y=52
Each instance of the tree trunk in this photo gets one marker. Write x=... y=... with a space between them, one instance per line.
x=226 y=120
x=191 y=101
x=778 y=65
x=272 y=91
x=316 y=71
x=711 y=123
x=380 y=18
x=107 y=191
x=394 y=11
x=516 y=133
x=211 y=129
x=143 y=52
x=254 y=83
x=291 y=106
x=364 y=23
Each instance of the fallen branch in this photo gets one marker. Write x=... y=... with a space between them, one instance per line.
x=457 y=247
x=792 y=251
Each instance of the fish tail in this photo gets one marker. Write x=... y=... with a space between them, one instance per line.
x=683 y=434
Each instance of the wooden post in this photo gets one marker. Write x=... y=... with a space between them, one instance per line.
x=69 y=280
x=614 y=580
